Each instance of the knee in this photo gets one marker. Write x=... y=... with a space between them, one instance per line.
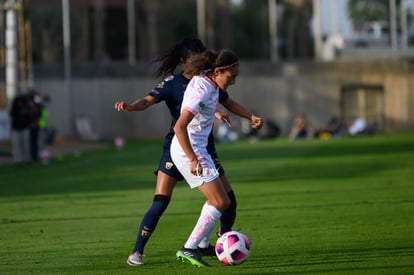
x=223 y=204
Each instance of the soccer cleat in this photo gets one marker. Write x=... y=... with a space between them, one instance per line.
x=207 y=251
x=135 y=259
x=191 y=256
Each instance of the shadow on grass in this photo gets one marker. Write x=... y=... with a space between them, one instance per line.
x=315 y=149
x=355 y=261
x=277 y=160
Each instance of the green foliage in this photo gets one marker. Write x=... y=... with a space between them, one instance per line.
x=361 y=11
x=340 y=206
x=250 y=32
x=368 y=10
x=177 y=21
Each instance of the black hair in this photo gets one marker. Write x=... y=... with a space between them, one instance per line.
x=172 y=57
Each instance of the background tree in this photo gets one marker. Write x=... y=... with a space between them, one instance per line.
x=250 y=32
x=295 y=32
x=364 y=12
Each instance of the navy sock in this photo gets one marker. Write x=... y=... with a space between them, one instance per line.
x=150 y=221
x=229 y=216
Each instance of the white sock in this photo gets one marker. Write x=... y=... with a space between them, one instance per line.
x=205 y=242
x=208 y=217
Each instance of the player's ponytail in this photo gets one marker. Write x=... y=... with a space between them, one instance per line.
x=172 y=58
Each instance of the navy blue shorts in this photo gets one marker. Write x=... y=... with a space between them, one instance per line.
x=167 y=166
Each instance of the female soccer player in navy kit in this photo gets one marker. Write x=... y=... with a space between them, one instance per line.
x=171 y=90
x=189 y=145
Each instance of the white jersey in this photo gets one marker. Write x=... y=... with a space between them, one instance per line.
x=201 y=99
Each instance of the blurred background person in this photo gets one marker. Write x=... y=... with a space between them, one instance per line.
x=301 y=128
x=44 y=122
x=35 y=107
x=332 y=128
x=20 y=123
x=357 y=126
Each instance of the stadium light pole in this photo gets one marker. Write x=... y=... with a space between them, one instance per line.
x=66 y=38
x=66 y=53
x=11 y=60
x=201 y=20
x=404 y=32
x=317 y=39
x=131 y=31
x=393 y=25
x=333 y=17
x=272 y=7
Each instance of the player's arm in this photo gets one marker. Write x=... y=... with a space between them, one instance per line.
x=223 y=117
x=181 y=132
x=138 y=105
x=238 y=109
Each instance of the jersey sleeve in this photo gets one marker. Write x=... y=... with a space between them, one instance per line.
x=194 y=97
x=223 y=95
x=163 y=89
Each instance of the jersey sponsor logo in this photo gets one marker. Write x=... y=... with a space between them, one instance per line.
x=169 y=165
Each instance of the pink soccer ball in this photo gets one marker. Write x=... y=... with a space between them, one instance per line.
x=233 y=248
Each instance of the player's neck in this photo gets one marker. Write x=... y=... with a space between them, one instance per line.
x=187 y=75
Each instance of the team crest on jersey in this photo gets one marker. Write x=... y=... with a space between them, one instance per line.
x=160 y=85
x=169 y=165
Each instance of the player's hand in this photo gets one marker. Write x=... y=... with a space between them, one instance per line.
x=123 y=106
x=223 y=117
x=257 y=122
x=196 y=168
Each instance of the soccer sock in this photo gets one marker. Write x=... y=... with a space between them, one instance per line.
x=205 y=242
x=229 y=216
x=150 y=221
x=208 y=217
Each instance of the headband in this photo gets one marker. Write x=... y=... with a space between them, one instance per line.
x=222 y=67
x=228 y=66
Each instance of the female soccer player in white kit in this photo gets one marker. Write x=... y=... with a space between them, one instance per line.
x=188 y=147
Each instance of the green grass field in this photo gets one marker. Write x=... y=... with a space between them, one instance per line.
x=343 y=206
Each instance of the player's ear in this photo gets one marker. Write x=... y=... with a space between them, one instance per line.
x=216 y=71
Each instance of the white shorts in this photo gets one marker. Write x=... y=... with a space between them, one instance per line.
x=182 y=163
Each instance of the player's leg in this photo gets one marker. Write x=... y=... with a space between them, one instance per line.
x=229 y=215
x=217 y=202
x=164 y=188
x=226 y=220
x=167 y=177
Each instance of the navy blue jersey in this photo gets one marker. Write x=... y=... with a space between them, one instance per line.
x=171 y=90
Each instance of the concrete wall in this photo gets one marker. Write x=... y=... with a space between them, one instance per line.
x=273 y=91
